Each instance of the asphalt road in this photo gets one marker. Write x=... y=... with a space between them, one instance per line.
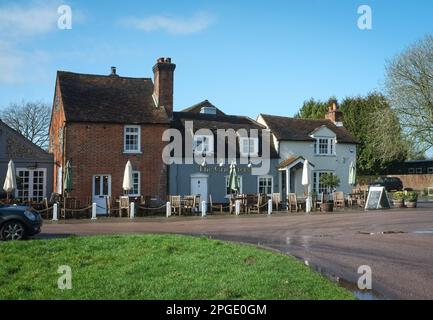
x=396 y=244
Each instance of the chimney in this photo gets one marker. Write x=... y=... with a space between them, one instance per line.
x=163 y=84
x=334 y=114
x=113 y=72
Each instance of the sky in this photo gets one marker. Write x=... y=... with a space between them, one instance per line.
x=246 y=57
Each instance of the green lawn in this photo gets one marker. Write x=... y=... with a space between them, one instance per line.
x=156 y=267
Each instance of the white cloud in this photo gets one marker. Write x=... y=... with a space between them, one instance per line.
x=171 y=24
x=28 y=20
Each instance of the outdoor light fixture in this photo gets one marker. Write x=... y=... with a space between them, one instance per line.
x=203 y=164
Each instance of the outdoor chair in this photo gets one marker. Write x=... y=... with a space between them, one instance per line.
x=319 y=200
x=190 y=203
x=218 y=207
x=293 y=202
x=276 y=201
x=255 y=203
x=176 y=204
x=339 y=199
x=124 y=205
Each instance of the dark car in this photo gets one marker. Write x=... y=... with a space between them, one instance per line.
x=18 y=222
x=390 y=183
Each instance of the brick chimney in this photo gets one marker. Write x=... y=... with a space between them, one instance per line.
x=163 y=84
x=334 y=114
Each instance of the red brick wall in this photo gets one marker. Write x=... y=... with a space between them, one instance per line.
x=98 y=149
x=57 y=122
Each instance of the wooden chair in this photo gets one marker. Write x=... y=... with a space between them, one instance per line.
x=339 y=201
x=319 y=200
x=293 y=203
x=218 y=207
x=276 y=201
x=189 y=203
x=254 y=203
x=176 y=204
x=124 y=205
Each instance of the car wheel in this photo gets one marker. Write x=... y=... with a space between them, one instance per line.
x=13 y=230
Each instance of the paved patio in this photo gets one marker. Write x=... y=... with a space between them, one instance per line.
x=396 y=244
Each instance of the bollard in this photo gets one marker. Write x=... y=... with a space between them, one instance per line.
x=55 y=216
x=203 y=209
x=269 y=206
x=168 y=210
x=93 y=211
x=238 y=207
x=132 y=210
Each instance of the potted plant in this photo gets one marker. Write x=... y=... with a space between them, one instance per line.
x=398 y=199
x=411 y=199
x=330 y=182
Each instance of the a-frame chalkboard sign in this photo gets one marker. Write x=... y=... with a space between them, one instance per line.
x=377 y=199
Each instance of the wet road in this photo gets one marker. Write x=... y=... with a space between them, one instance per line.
x=396 y=244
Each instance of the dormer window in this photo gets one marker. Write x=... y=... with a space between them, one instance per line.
x=203 y=144
x=325 y=146
x=249 y=147
x=132 y=140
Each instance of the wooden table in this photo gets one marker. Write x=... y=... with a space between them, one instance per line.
x=242 y=199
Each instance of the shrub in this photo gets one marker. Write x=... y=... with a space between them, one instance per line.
x=411 y=196
x=398 y=195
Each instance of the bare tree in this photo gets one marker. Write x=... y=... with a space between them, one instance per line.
x=31 y=119
x=410 y=89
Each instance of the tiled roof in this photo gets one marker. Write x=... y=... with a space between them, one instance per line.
x=292 y=159
x=109 y=99
x=204 y=104
x=219 y=121
x=293 y=129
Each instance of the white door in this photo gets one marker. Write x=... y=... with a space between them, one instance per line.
x=101 y=190
x=199 y=187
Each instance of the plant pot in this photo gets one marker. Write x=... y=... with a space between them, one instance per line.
x=398 y=203
x=327 y=207
x=411 y=204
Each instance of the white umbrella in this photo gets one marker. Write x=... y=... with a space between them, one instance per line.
x=127 y=177
x=352 y=174
x=11 y=181
x=306 y=183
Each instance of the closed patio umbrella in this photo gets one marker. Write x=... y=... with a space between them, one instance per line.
x=10 y=183
x=352 y=174
x=306 y=183
x=233 y=179
x=127 y=177
x=68 y=177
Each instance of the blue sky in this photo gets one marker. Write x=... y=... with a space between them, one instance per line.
x=246 y=57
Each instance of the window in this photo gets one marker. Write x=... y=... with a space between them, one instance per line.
x=228 y=191
x=203 y=144
x=249 y=146
x=318 y=187
x=132 y=139
x=31 y=184
x=265 y=185
x=411 y=170
x=135 y=184
x=325 y=146
x=418 y=170
x=430 y=170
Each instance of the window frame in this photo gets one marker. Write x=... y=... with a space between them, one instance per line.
x=316 y=180
x=138 y=193
x=430 y=170
x=272 y=184
x=255 y=141
x=30 y=186
x=411 y=171
x=330 y=145
x=138 y=134
x=418 y=170
x=210 y=144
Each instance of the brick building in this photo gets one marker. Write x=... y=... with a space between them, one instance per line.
x=100 y=122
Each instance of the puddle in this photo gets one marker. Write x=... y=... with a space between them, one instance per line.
x=350 y=286
x=423 y=232
x=382 y=232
